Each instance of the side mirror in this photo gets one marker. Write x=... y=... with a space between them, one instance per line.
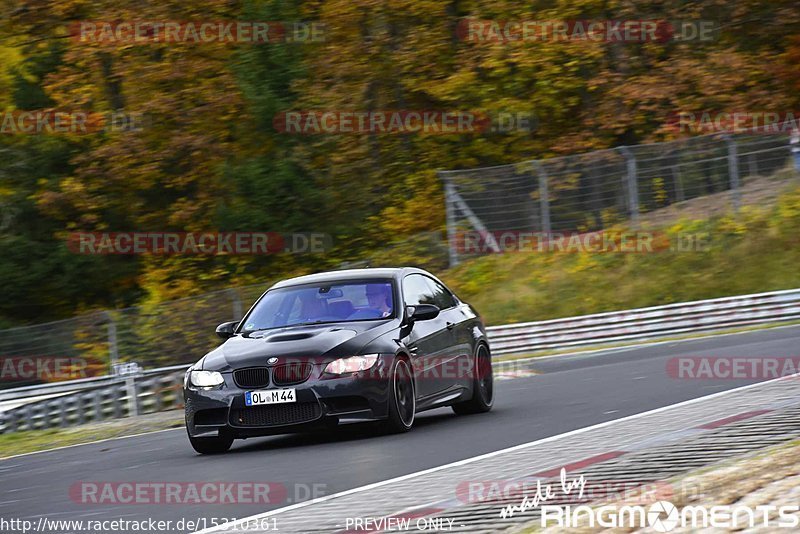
x=422 y=312
x=225 y=330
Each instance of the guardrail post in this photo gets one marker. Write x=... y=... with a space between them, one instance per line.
x=63 y=420
x=81 y=407
x=12 y=421
x=450 y=217
x=633 y=185
x=24 y=420
x=117 y=394
x=544 y=198
x=733 y=171
x=133 y=401
x=97 y=404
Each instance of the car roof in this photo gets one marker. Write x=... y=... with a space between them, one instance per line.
x=349 y=274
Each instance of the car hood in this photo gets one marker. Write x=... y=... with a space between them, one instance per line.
x=314 y=344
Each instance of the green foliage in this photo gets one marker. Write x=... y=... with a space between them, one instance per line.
x=209 y=157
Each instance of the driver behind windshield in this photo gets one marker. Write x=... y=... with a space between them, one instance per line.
x=312 y=308
x=379 y=302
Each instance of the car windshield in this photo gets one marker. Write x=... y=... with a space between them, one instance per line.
x=322 y=303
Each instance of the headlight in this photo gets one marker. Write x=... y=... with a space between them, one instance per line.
x=206 y=379
x=353 y=364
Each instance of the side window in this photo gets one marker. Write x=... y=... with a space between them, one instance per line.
x=441 y=295
x=416 y=290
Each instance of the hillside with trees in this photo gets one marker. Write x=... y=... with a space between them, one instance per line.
x=208 y=155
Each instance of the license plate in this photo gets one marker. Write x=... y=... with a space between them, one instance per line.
x=269 y=396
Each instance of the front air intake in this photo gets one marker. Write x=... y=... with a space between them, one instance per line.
x=252 y=377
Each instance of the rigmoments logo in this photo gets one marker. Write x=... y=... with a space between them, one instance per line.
x=663 y=516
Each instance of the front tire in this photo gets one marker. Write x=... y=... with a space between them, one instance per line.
x=216 y=445
x=482 y=385
x=402 y=398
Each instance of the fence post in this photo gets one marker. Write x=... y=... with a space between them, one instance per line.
x=237 y=304
x=678 y=183
x=113 y=349
x=733 y=170
x=633 y=186
x=544 y=198
x=450 y=217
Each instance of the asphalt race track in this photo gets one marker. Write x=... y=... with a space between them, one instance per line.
x=570 y=393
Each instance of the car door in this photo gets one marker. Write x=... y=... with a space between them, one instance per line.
x=429 y=341
x=457 y=369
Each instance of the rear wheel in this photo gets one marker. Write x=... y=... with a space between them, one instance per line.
x=402 y=398
x=216 y=445
x=482 y=385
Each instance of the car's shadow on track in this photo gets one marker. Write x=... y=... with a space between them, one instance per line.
x=344 y=433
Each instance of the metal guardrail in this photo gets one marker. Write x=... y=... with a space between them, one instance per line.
x=646 y=323
x=71 y=386
x=122 y=398
x=160 y=389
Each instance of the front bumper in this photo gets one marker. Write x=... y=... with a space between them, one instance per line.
x=321 y=403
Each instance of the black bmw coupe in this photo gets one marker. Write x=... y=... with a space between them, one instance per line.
x=340 y=347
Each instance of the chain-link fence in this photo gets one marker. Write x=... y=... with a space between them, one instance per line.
x=79 y=346
x=596 y=190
